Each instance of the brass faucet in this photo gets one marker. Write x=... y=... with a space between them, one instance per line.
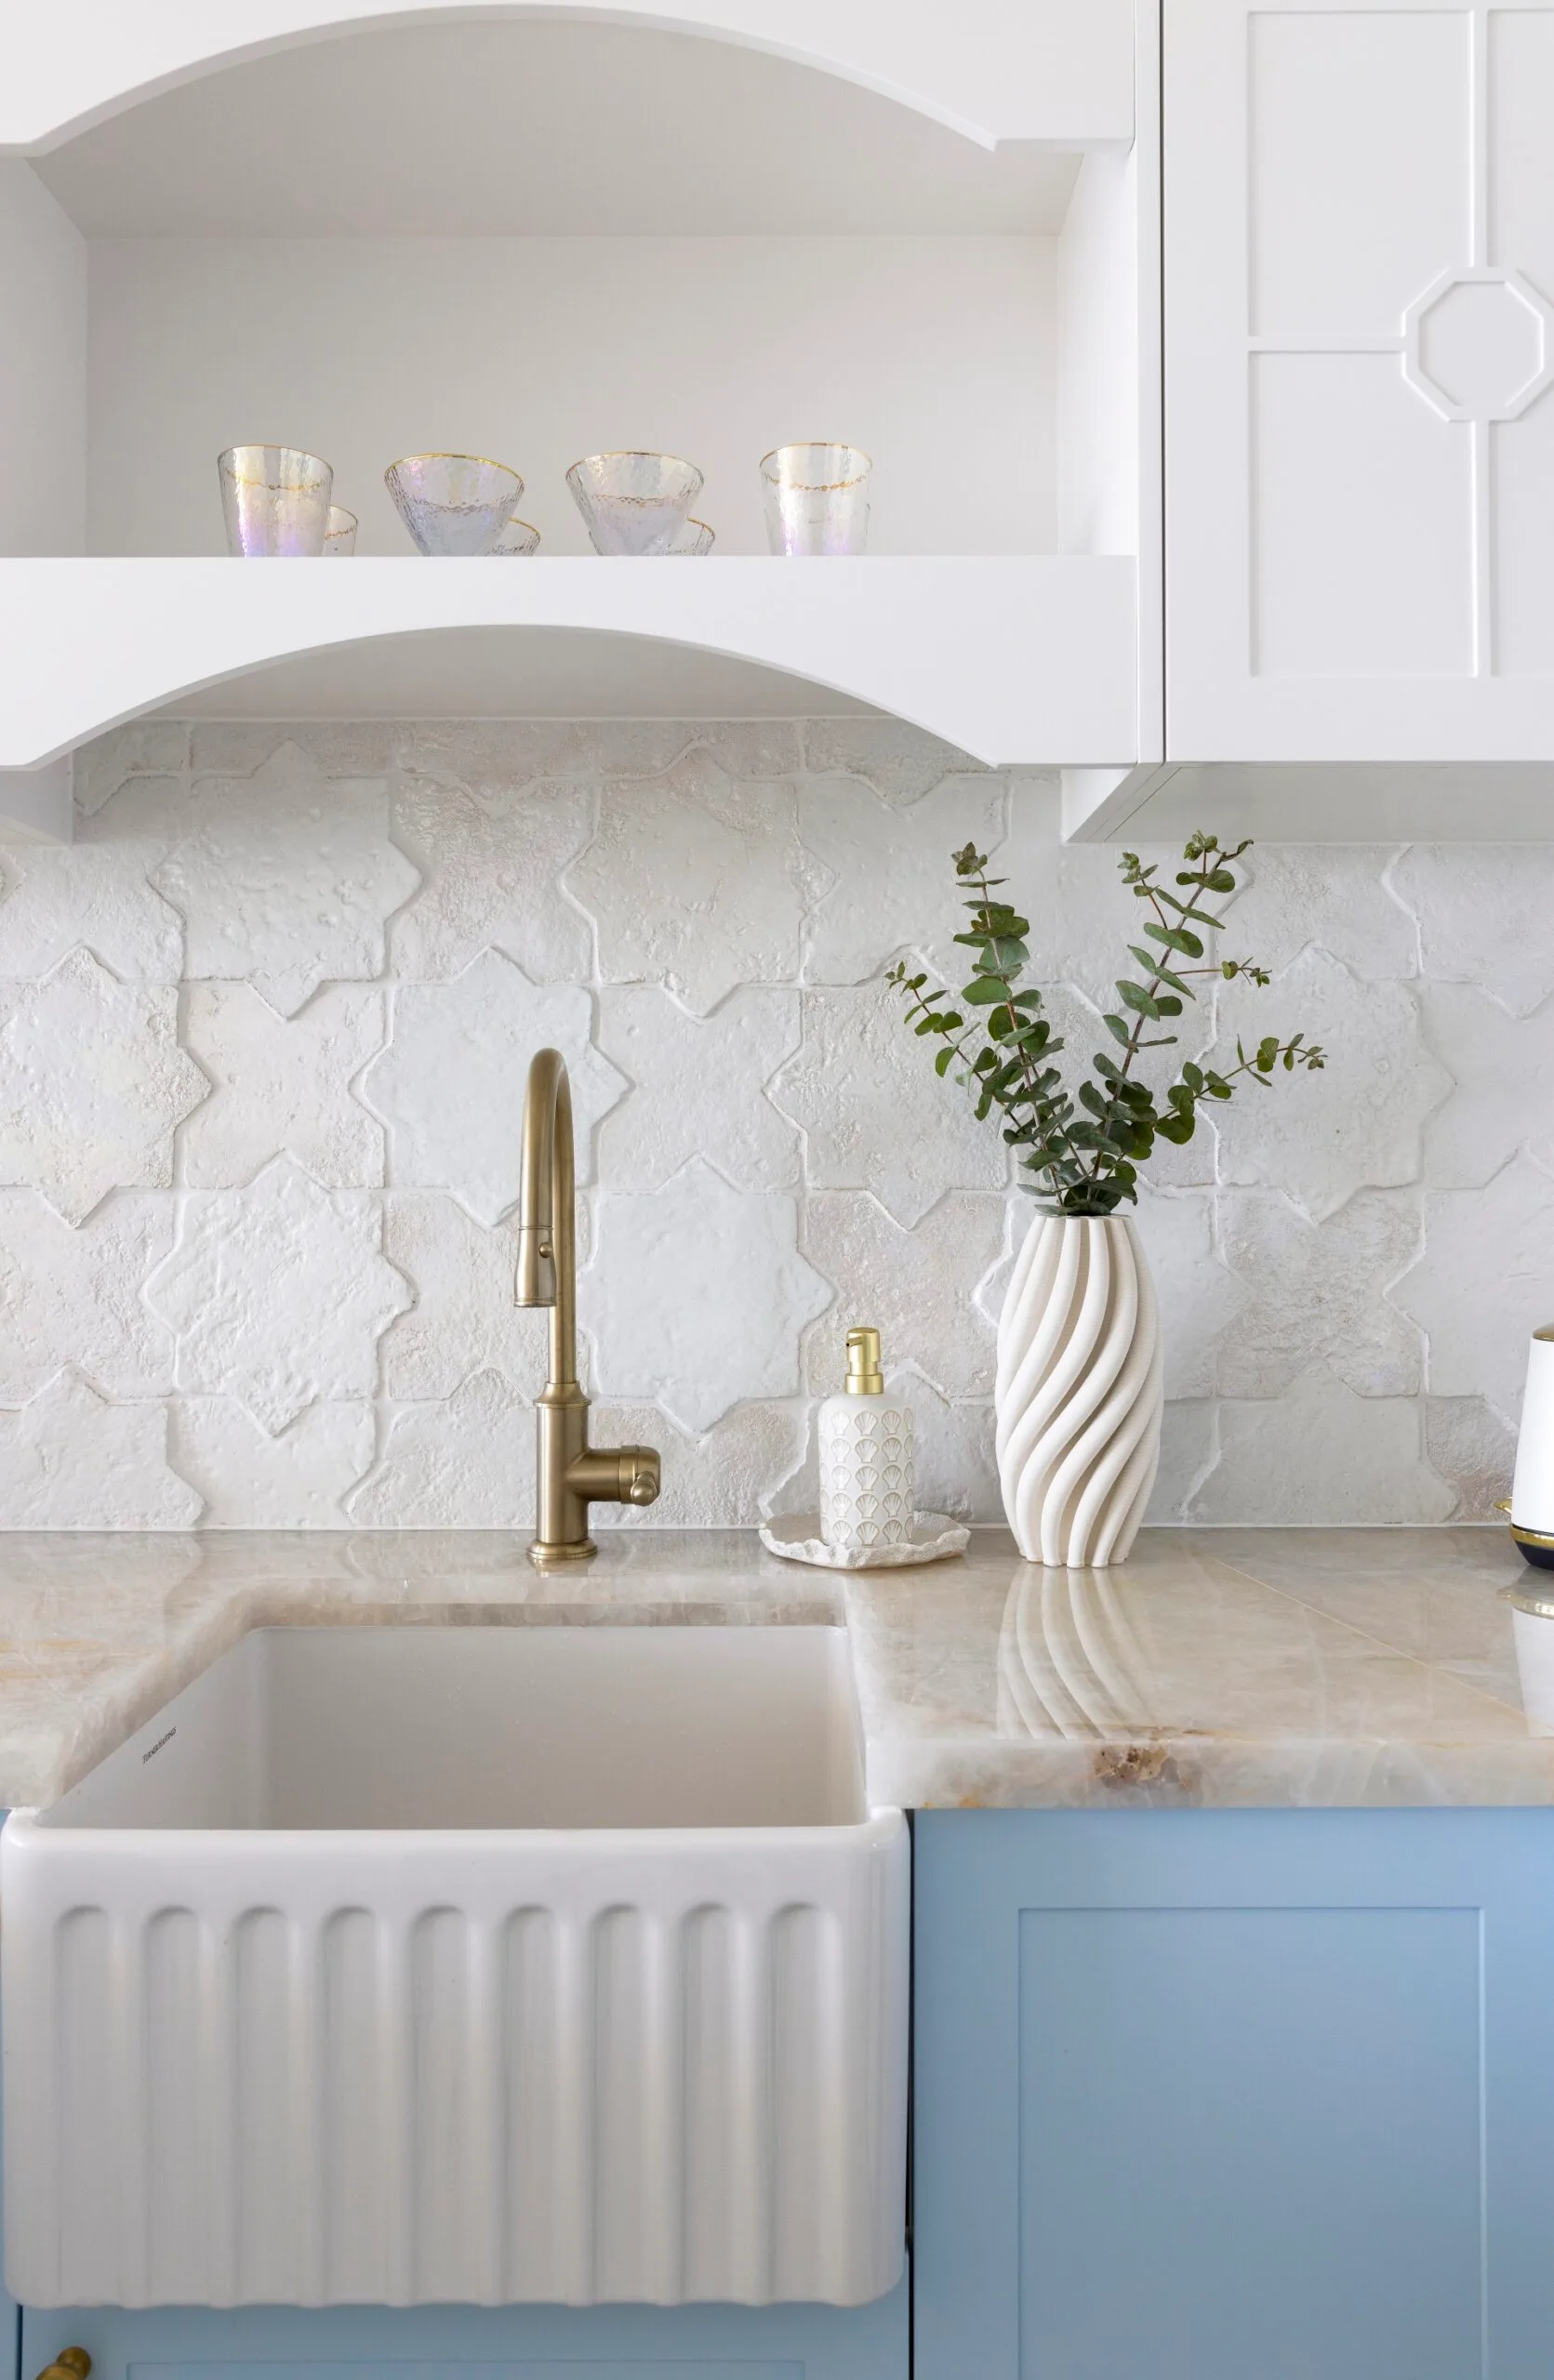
x=571 y=1474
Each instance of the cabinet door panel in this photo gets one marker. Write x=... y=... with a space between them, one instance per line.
x=1347 y=463
x=1359 y=331
x=1209 y=2093
x=1385 y=94
x=1212 y=2099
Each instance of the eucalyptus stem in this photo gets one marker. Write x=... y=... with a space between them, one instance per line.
x=1082 y=1147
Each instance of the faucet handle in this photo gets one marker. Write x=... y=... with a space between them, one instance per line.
x=536 y=1265
x=639 y=1475
x=615 y=1474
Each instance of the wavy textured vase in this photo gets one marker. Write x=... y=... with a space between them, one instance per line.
x=1079 y=1394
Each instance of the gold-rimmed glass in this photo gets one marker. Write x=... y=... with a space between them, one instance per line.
x=695 y=537
x=816 y=498
x=518 y=538
x=633 y=502
x=454 y=504
x=274 y=499
x=339 y=536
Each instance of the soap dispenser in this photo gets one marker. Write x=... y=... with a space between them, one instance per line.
x=868 y=1493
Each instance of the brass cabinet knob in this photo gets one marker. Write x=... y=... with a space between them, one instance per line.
x=70 y=2363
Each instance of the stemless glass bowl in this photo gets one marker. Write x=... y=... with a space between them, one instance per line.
x=339 y=537
x=518 y=538
x=275 y=500
x=633 y=503
x=816 y=498
x=695 y=537
x=453 y=504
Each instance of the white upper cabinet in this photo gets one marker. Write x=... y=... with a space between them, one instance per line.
x=534 y=232
x=1359 y=354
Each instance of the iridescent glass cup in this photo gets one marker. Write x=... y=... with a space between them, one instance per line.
x=453 y=504
x=518 y=538
x=275 y=500
x=339 y=537
x=816 y=498
x=695 y=537
x=634 y=503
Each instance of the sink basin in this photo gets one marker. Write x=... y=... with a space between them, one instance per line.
x=406 y=1965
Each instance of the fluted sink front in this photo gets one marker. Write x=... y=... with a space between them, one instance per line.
x=409 y=1964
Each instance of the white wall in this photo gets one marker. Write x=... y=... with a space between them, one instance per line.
x=43 y=370
x=1097 y=342
x=263 y=1032
x=934 y=354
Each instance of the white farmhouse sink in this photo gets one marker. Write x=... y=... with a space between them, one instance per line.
x=402 y=1965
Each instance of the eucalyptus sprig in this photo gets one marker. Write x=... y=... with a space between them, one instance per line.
x=1082 y=1150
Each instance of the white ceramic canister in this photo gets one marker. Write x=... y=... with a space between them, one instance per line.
x=1533 y=1488
x=867 y=1489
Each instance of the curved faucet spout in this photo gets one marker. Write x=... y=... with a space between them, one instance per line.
x=570 y=1473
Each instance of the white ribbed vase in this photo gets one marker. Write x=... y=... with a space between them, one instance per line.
x=1078 y=1395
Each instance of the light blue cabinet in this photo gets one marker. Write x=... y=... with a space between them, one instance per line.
x=1215 y=2094
x=469 y=2343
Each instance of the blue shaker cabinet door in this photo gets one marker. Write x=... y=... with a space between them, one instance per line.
x=1215 y=2094
x=473 y=2343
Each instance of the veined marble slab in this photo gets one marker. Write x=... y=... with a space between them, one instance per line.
x=1217 y=1668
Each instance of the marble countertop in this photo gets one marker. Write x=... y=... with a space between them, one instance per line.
x=1224 y=1667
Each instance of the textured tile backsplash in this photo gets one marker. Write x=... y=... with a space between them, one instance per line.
x=263 y=1035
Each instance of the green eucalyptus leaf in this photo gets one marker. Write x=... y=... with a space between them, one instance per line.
x=1176 y=938
x=1160 y=973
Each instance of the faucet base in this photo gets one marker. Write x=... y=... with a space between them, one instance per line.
x=571 y=1475
x=556 y=1558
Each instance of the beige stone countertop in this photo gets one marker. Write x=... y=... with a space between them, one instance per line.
x=1218 y=1668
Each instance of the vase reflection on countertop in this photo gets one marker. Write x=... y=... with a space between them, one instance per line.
x=1533 y=1634
x=1070 y=1662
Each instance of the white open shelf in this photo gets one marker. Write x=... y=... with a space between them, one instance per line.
x=531 y=234
x=89 y=643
